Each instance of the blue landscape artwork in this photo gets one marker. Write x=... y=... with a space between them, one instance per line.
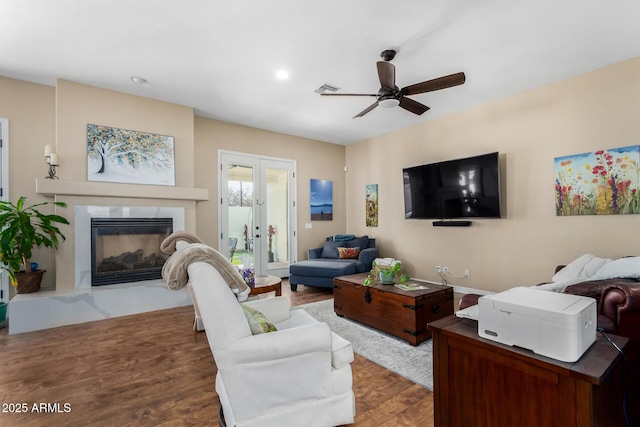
x=321 y=200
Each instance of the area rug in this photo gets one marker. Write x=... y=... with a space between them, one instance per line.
x=413 y=363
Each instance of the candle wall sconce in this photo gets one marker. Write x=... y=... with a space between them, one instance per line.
x=52 y=160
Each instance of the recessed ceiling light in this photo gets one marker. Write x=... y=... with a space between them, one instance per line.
x=282 y=75
x=139 y=80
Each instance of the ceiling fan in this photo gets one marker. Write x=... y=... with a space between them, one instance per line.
x=390 y=96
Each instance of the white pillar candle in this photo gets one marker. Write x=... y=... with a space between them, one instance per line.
x=53 y=160
x=48 y=149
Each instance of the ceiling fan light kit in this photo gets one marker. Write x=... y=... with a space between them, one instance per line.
x=389 y=102
x=389 y=95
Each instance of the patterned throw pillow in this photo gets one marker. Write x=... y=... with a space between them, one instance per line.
x=257 y=321
x=349 y=253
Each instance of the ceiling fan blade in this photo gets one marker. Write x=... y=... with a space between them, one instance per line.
x=413 y=106
x=348 y=94
x=387 y=74
x=366 y=110
x=435 y=84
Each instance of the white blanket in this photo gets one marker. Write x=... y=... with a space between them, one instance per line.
x=579 y=270
x=175 y=269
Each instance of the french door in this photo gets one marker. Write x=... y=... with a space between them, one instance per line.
x=257 y=215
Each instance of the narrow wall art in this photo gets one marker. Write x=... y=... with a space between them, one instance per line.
x=128 y=156
x=603 y=182
x=372 y=205
x=321 y=200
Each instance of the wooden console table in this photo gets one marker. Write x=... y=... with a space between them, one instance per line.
x=479 y=382
x=404 y=314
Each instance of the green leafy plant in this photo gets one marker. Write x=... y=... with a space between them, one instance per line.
x=271 y=231
x=387 y=266
x=245 y=234
x=23 y=229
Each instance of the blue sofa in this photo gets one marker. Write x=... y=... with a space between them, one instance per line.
x=324 y=263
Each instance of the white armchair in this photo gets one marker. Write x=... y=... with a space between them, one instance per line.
x=298 y=375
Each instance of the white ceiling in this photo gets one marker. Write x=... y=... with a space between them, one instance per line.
x=221 y=56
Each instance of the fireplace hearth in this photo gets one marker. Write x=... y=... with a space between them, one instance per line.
x=127 y=249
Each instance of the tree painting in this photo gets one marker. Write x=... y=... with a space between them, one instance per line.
x=604 y=182
x=120 y=155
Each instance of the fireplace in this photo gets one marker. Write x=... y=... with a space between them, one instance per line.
x=127 y=249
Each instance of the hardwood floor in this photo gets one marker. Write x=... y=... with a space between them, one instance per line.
x=152 y=369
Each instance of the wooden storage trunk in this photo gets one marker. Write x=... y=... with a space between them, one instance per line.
x=404 y=314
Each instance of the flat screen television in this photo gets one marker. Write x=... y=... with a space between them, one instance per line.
x=461 y=188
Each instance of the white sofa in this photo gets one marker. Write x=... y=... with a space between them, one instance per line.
x=299 y=375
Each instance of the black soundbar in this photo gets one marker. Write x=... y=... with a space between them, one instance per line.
x=451 y=223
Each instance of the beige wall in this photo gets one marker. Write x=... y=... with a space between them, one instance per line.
x=78 y=104
x=29 y=109
x=40 y=115
x=585 y=113
x=314 y=159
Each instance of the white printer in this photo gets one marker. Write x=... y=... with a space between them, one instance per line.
x=560 y=326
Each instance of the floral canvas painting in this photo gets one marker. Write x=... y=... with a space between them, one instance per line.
x=372 y=205
x=128 y=156
x=603 y=182
x=321 y=199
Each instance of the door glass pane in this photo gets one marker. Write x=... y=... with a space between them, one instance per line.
x=241 y=216
x=277 y=220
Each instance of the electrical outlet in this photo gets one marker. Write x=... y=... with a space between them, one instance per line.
x=446 y=269
x=438 y=269
x=467 y=273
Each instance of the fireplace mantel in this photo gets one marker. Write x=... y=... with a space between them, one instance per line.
x=56 y=187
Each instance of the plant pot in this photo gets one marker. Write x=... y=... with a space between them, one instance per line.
x=249 y=276
x=271 y=256
x=3 y=313
x=387 y=277
x=29 y=282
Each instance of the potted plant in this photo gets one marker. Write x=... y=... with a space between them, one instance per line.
x=271 y=231
x=3 y=314
x=385 y=271
x=245 y=234
x=23 y=229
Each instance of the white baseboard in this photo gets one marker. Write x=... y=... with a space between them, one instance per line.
x=460 y=289
x=465 y=290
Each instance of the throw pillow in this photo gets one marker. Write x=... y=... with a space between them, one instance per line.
x=349 y=253
x=257 y=321
x=358 y=242
x=330 y=249
x=624 y=267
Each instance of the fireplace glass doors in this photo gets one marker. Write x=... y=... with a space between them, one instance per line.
x=127 y=249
